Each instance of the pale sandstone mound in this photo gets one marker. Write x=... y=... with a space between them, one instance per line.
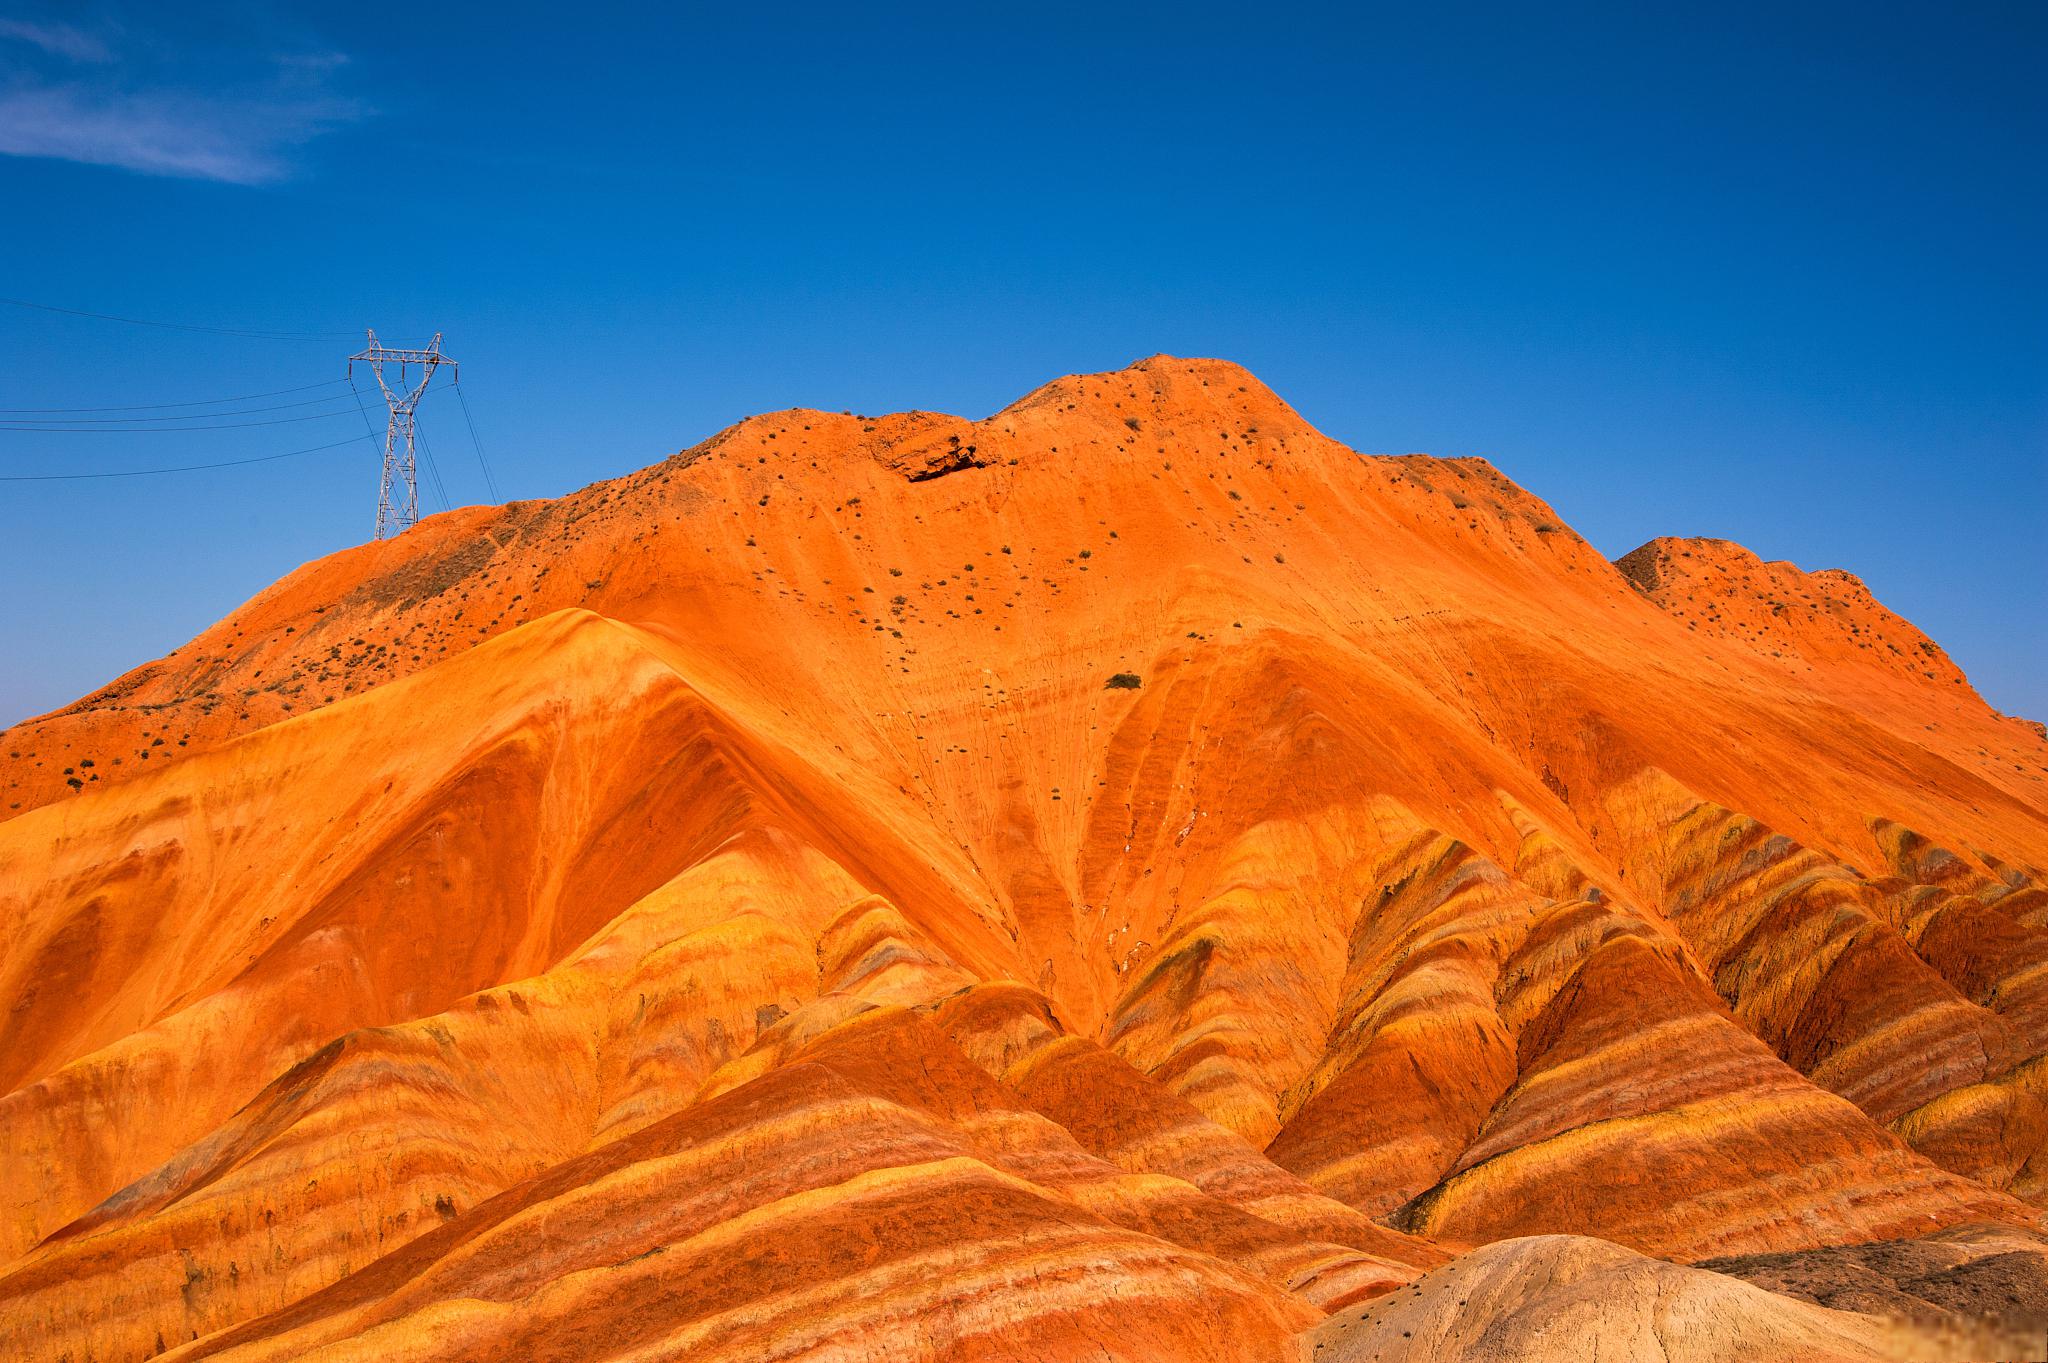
x=1570 y=1299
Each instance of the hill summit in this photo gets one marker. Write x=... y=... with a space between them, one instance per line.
x=1126 y=877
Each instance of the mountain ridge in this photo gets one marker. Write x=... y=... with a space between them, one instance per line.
x=757 y=840
x=38 y=777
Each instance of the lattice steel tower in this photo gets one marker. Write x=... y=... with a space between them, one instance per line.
x=399 y=461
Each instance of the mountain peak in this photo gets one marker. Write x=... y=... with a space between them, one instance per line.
x=1827 y=619
x=1172 y=379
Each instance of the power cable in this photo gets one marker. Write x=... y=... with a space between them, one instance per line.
x=368 y=429
x=434 y=471
x=172 y=430
x=161 y=406
x=182 y=468
x=118 y=422
x=489 y=481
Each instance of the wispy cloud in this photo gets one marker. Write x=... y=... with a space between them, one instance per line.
x=163 y=134
x=148 y=102
x=59 y=40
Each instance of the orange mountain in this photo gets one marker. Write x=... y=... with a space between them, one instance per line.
x=1126 y=878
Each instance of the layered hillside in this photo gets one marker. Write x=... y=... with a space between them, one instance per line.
x=1127 y=878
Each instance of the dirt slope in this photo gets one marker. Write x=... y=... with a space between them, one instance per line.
x=730 y=912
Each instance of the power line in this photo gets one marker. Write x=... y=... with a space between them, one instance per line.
x=489 y=481
x=434 y=472
x=118 y=422
x=182 y=468
x=161 y=406
x=173 y=430
x=368 y=429
x=180 y=326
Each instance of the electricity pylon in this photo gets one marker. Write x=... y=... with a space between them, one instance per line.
x=399 y=466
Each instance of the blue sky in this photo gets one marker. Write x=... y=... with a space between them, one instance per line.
x=1775 y=272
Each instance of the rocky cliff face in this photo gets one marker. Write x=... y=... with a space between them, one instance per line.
x=1126 y=877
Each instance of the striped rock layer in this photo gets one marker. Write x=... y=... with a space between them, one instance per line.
x=728 y=913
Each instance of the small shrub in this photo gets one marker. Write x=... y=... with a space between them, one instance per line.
x=1124 y=681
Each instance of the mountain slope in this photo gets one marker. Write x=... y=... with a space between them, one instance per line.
x=730 y=911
